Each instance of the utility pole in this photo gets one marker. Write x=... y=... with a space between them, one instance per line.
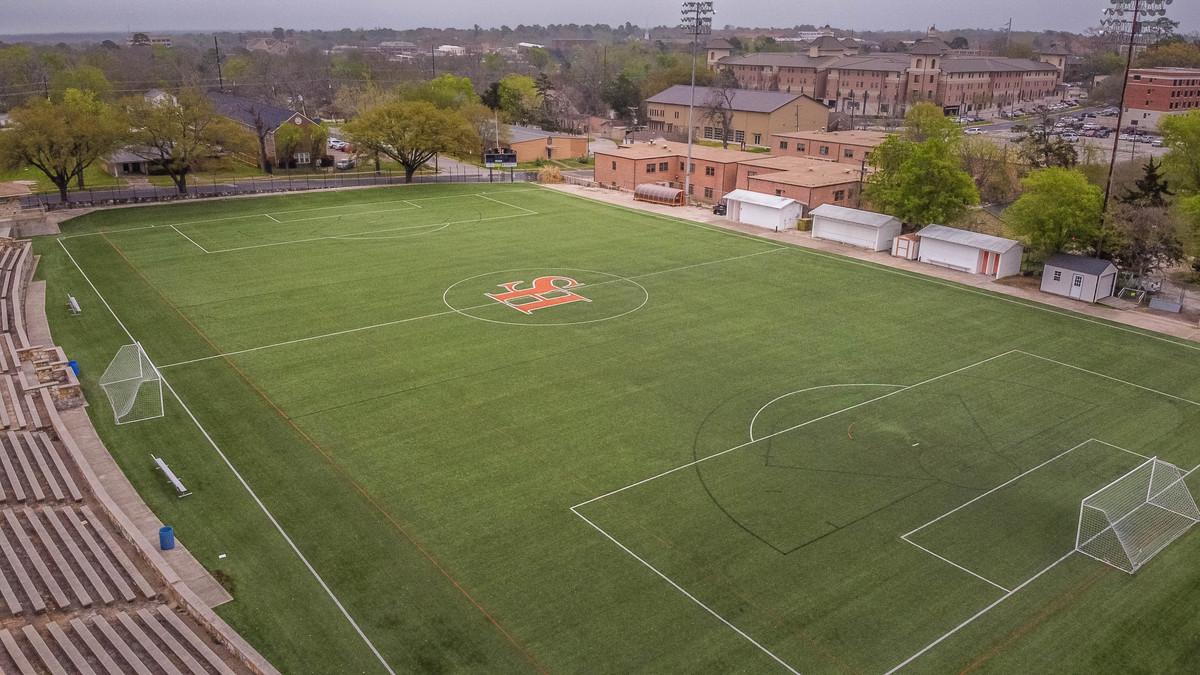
x=1008 y=34
x=220 y=77
x=433 y=59
x=697 y=21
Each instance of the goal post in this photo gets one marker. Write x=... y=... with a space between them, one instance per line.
x=1128 y=521
x=133 y=385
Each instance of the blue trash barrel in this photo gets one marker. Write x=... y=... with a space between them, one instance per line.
x=166 y=537
x=74 y=366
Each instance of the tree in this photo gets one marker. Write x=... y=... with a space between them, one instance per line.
x=718 y=109
x=1143 y=239
x=925 y=121
x=1041 y=149
x=412 y=132
x=959 y=42
x=83 y=78
x=518 y=98
x=623 y=96
x=1181 y=133
x=1059 y=211
x=987 y=164
x=1171 y=54
x=177 y=136
x=61 y=138
x=293 y=139
x=1150 y=190
x=444 y=91
x=918 y=175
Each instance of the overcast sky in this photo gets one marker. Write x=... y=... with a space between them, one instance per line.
x=54 y=16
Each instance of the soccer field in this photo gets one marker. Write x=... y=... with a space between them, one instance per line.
x=496 y=428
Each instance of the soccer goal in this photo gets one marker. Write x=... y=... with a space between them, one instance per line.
x=133 y=385
x=1128 y=521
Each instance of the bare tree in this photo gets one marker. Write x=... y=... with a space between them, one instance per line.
x=719 y=108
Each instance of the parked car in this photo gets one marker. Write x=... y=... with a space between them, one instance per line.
x=1070 y=137
x=345 y=163
x=720 y=208
x=974 y=131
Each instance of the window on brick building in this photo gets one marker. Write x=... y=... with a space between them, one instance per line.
x=783 y=145
x=614 y=166
x=708 y=192
x=664 y=166
x=650 y=168
x=710 y=171
x=839 y=195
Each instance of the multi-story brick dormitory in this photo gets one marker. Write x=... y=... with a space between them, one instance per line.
x=1154 y=93
x=886 y=83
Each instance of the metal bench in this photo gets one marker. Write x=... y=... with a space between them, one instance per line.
x=174 y=480
x=73 y=306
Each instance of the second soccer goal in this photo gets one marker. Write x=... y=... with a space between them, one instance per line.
x=133 y=385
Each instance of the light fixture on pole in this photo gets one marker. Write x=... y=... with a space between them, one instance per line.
x=696 y=21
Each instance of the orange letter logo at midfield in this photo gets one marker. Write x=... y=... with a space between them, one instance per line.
x=542 y=293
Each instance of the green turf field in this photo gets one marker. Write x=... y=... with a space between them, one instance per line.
x=702 y=452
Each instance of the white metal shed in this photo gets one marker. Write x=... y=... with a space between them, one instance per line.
x=972 y=252
x=1079 y=277
x=866 y=229
x=769 y=211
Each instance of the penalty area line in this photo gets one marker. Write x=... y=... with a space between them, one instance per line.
x=686 y=594
x=241 y=479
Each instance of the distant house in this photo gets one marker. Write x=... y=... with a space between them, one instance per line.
x=756 y=115
x=127 y=162
x=531 y=144
x=451 y=50
x=972 y=252
x=147 y=40
x=159 y=97
x=263 y=120
x=1079 y=277
x=717 y=48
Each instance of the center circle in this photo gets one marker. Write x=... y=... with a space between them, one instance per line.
x=545 y=296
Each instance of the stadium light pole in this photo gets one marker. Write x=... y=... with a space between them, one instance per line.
x=697 y=21
x=1116 y=23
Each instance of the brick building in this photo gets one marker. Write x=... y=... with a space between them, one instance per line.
x=756 y=114
x=1154 y=93
x=847 y=147
x=886 y=83
x=812 y=182
x=714 y=170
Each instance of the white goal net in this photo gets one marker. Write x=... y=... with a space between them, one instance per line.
x=133 y=386
x=1128 y=521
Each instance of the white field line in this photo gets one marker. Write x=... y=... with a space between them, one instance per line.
x=1114 y=379
x=433 y=315
x=951 y=562
x=412 y=203
x=978 y=614
x=1006 y=483
x=688 y=595
x=773 y=401
x=241 y=479
x=304 y=210
x=1117 y=447
x=189 y=239
x=1146 y=333
x=354 y=234
x=512 y=206
x=790 y=429
x=280 y=221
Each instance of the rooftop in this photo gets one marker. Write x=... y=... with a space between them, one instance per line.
x=777 y=59
x=744 y=100
x=245 y=110
x=519 y=134
x=858 y=216
x=985 y=64
x=854 y=137
x=804 y=171
x=1079 y=263
x=978 y=240
x=749 y=197
x=662 y=149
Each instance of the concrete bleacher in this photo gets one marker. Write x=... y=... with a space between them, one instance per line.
x=81 y=591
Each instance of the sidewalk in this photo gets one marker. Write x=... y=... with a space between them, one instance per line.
x=1020 y=293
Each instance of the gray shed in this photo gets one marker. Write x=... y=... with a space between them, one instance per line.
x=1079 y=277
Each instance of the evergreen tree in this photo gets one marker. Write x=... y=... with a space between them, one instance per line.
x=1152 y=189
